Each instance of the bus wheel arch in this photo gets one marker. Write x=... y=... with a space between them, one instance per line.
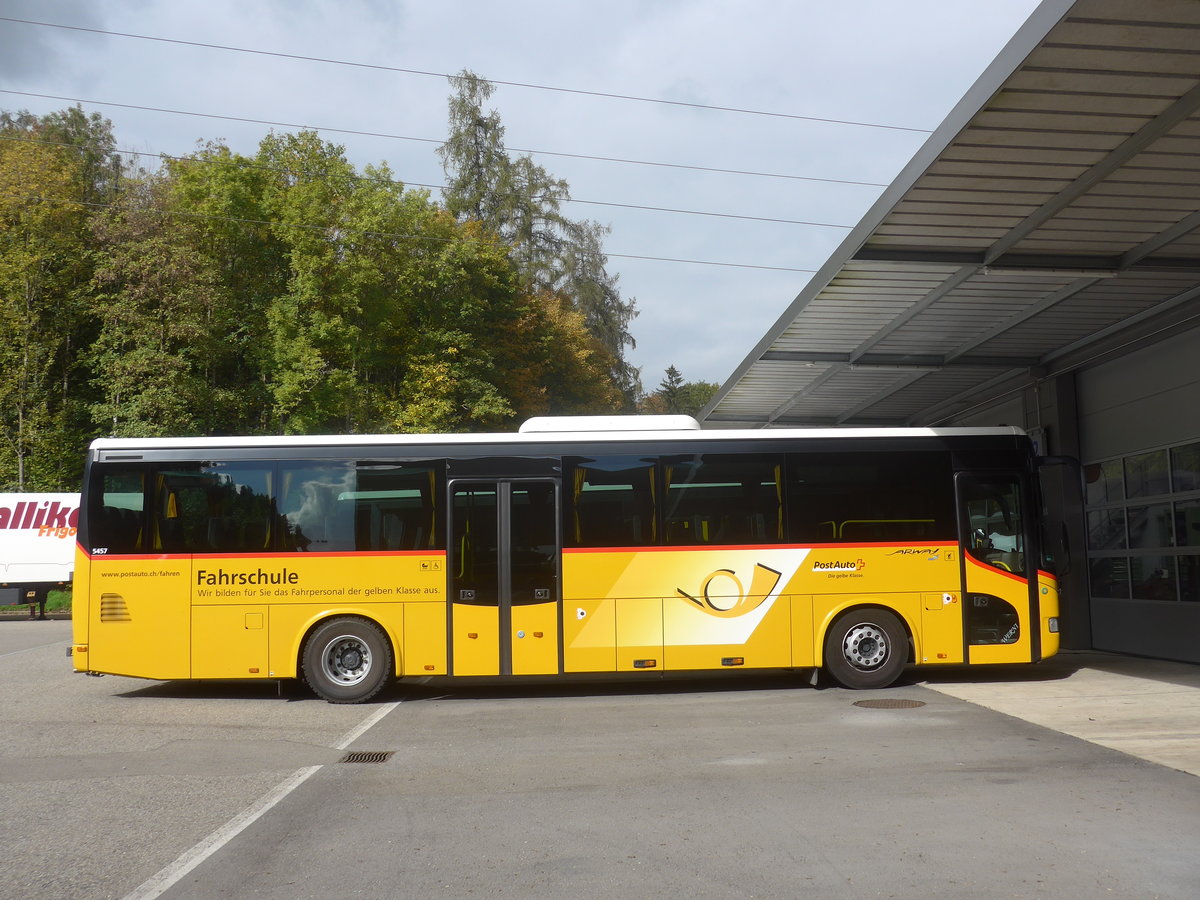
x=867 y=647
x=347 y=659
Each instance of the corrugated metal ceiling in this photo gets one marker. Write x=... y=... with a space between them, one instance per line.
x=1059 y=203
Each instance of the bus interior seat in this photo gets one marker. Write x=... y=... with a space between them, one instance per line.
x=391 y=532
x=256 y=535
x=119 y=527
x=222 y=533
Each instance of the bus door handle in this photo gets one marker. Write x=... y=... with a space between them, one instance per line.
x=466 y=596
x=541 y=593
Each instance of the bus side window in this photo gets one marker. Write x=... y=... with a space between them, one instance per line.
x=399 y=507
x=611 y=502
x=213 y=508
x=117 y=522
x=726 y=499
x=337 y=506
x=317 y=503
x=875 y=497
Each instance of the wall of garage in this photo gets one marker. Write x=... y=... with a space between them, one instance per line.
x=1139 y=431
x=1132 y=417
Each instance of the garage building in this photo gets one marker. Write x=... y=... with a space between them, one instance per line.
x=1038 y=264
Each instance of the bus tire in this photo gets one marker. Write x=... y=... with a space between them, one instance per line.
x=866 y=649
x=347 y=660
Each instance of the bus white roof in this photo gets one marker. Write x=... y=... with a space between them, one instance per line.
x=551 y=432
x=568 y=424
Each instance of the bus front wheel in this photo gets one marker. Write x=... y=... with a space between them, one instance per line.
x=347 y=660
x=866 y=649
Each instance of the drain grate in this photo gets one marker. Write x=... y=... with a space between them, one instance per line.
x=889 y=704
x=367 y=756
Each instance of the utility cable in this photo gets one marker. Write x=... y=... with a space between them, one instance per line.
x=399 y=137
x=341 y=229
x=442 y=187
x=520 y=84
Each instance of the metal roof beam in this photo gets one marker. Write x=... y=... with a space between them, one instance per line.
x=1184 y=226
x=878 y=396
x=1013 y=321
x=805 y=391
x=748 y=420
x=895 y=361
x=1053 y=363
x=913 y=311
x=1160 y=125
x=919 y=255
x=829 y=422
x=964 y=400
x=1046 y=263
x=1129 y=260
x=1146 y=315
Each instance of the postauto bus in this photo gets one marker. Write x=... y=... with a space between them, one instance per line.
x=638 y=545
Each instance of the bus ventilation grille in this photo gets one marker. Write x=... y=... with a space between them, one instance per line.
x=367 y=756
x=113 y=608
x=889 y=704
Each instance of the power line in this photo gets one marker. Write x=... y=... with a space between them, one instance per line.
x=385 y=234
x=440 y=187
x=400 y=137
x=520 y=84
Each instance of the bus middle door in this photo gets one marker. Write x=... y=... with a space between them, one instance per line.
x=504 y=577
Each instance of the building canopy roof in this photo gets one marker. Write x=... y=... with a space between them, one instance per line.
x=1053 y=218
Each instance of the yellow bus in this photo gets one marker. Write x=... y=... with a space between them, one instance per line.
x=579 y=545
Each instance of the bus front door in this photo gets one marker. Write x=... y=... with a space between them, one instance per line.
x=504 y=577
x=999 y=607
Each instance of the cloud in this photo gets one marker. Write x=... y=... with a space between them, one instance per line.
x=29 y=49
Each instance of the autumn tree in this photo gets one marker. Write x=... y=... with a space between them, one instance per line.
x=522 y=203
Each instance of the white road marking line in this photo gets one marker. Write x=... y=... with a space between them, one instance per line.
x=169 y=875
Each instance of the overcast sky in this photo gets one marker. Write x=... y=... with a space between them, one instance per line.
x=899 y=63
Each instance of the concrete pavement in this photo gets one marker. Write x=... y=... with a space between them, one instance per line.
x=704 y=788
x=1147 y=708
x=1144 y=707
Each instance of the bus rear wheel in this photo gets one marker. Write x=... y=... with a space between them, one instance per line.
x=347 y=660
x=866 y=649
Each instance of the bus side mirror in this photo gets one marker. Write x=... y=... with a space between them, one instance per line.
x=1073 y=490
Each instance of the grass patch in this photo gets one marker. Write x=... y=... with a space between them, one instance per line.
x=58 y=601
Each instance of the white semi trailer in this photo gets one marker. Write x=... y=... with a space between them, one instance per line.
x=37 y=546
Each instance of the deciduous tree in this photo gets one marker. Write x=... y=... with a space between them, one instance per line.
x=43 y=262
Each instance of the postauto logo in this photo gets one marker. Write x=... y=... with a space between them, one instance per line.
x=839 y=565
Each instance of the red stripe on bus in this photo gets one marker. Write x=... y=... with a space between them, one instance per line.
x=343 y=554
x=1023 y=579
x=679 y=547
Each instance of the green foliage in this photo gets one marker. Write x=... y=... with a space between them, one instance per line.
x=522 y=203
x=678 y=397
x=155 y=297
x=284 y=292
x=45 y=167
